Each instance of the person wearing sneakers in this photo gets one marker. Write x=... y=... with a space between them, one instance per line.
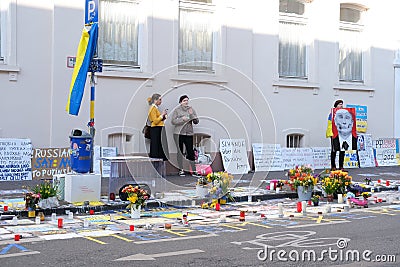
x=183 y=118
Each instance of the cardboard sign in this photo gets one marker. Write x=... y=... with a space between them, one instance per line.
x=321 y=157
x=385 y=151
x=47 y=162
x=361 y=117
x=234 y=156
x=15 y=159
x=350 y=159
x=267 y=157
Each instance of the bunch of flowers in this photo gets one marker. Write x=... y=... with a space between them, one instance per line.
x=368 y=180
x=344 y=180
x=330 y=185
x=45 y=190
x=220 y=182
x=136 y=196
x=366 y=195
x=301 y=176
x=315 y=198
x=31 y=200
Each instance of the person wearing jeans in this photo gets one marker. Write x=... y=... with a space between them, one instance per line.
x=183 y=118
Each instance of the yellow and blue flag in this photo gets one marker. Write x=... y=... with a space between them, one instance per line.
x=86 y=50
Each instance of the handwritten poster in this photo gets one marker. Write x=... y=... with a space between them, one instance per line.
x=350 y=159
x=361 y=117
x=15 y=159
x=297 y=156
x=321 y=157
x=385 y=151
x=234 y=156
x=47 y=162
x=267 y=157
x=100 y=165
x=366 y=158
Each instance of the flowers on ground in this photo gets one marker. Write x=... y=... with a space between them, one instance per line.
x=220 y=182
x=315 y=198
x=336 y=182
x=136 y=196
x=45 y=190
x=31 y=200
x=301 y=176
x=202 y=181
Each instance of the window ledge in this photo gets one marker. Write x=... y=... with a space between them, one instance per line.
x=198 y=78
x=11 y=68
x=297 y=84
x=124 y=74
x=354 y=87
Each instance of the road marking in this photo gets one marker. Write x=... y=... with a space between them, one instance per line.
x=19 y=254
x=179 y=231
x=7 y=248
x=122 y=238
x=316 y=224
x=256 y=224
x=144 y=257
x=174 y=239
x=233 y=227
x=319 y=219
x=95 y=240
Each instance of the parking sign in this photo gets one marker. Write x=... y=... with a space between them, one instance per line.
x=91 y=11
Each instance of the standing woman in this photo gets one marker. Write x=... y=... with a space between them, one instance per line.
x=158 y=137
x=183 y=118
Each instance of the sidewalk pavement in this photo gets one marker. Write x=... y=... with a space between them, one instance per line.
x=181 y=191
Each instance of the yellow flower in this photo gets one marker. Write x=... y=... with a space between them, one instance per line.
x=133 y=198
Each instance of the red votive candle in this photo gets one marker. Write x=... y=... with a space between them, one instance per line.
x=242 y=216
x=387 y=184
x=17 y=237
x=5 y=208
x=131 y=228
x=217 y=207
x=60 y=222
x=262 y=215
x=309 y=203
x=91 y=212
x=112 y=196
x=379 y=181
x=299 y=207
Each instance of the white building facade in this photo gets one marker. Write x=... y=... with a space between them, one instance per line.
x=266 y=71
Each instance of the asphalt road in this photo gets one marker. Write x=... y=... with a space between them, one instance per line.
x=324 y=240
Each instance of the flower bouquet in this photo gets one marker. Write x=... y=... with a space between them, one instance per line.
x=301 y=176
x=48 y=195
x=31 y=200
x=344 y=180
x=315 y=199
x=220 y=182
x=136 y=196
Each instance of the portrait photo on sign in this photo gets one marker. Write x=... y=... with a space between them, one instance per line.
x=344 y=129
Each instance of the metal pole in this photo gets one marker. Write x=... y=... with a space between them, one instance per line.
x=91 y=122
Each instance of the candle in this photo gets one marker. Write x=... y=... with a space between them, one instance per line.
x=304 y=207
x=60 y=222
x=5 y=208
x=379 y=181
x=280 y=208
x=131 y=227
x=112 y=196
x=168 y=226
x=387 y=182
x=242 y=216
x=85 y=223
x=217 y=207
x=37 y=220
x=299 y=208
x=17 y=237
x=91 y=212
x=309 y=203
x=340 y=198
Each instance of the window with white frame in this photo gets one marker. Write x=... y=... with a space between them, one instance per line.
x=292 y=39
x=119 y=33
x=350 y=43
x=196 y=36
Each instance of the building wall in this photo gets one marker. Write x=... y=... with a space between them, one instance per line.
x=244 y=98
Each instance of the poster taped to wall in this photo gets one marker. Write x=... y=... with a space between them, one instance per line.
x=47 y=162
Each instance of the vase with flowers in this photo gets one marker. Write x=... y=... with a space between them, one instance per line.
x=301 y=178
x=137 y=198
x=48 y=195
x=315 y=199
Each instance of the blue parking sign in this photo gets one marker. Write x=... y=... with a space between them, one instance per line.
x=91 y=11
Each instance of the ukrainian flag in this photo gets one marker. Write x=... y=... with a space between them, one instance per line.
x=86 y=50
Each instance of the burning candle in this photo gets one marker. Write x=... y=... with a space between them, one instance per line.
x=299 y=208
x=131 y=228
x=60 y=222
